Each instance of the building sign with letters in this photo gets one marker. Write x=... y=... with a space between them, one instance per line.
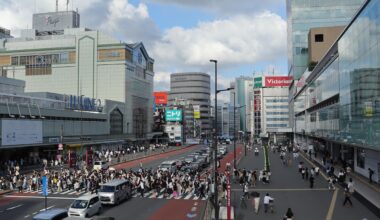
x=173 y=115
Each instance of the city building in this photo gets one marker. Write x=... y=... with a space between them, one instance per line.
x=193 y=87
x=243 y=90
x=5 y=33
x=271 y=108
x=47 y=125
x=58 y=56
x=337 y=109
x=303 y=15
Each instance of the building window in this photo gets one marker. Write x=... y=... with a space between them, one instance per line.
x=318 y=38
x=360 y=158
x=14 y=61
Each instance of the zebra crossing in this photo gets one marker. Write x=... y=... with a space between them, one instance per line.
x=153 y=195
x=70 y=192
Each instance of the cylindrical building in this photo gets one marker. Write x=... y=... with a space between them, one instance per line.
x=193 y=87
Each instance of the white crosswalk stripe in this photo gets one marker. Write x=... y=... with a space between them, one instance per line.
x=188 y=196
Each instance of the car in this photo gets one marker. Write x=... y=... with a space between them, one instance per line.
x=189 y=159
x=228 y=141
x=204 y=160
x=51 y=214
x=170 y=165
x=115 y=191
x=101 y=165
x=85 y=206
x=196 y=165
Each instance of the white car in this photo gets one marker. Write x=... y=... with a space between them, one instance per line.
x=100 y=165
x=85 y=206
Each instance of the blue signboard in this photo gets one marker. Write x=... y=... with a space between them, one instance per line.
x=45 y=186
x=173 y=115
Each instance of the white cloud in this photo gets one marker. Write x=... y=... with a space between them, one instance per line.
x=242 y=39
x=226 y=6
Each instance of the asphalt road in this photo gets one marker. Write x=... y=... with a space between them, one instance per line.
x=290 y=191
x=26 y=205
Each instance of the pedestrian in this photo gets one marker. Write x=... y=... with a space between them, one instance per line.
x=289 y=214
x=331 y=182
x=347 y=197
x=350 y=186
x=142 y=188
x=311 y=179
x=370 y=173
x=306 y=173
x=303 y=173
x=316 y=170
x=267 y=201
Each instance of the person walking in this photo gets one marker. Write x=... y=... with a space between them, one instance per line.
x=347 y=197
x=370 y=173
x=267 y=200
x=350 y=186
x=289 y=214
x=331 y=182
x=303 y=171
x=306 y=173
x=311 y=180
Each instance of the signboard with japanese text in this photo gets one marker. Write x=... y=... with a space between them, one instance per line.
x=197 y=112
x=173 y=115
x=15 y=132
x=161 y=98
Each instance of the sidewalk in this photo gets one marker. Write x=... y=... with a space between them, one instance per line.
x=368 y=193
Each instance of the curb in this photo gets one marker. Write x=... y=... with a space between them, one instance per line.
x=3 y=192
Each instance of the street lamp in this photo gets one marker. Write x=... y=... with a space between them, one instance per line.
x=216 y=203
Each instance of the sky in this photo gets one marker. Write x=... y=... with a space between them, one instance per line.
x=247 y=37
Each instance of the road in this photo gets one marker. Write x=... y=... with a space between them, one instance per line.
x=291 y=191
x=25 y=205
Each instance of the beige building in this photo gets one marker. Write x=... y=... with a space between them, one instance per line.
x=320 y=40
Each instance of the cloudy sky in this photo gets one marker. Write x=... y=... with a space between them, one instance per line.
x=245 y=36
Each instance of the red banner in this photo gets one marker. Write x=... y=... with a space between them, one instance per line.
x=278 y=81
x=161 y=98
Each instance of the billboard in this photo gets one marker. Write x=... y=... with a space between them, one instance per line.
x=278 y=81
x=53 y=21
x=161 y=98
x=173 y=115
x=197 y=112
x=258 y=82
x=14 y=132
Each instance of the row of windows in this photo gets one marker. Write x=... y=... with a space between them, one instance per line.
x=277 y=100
x=277 y=119
x=277 y=125
x=277 y=113
x=60 y=58
x=277 y=106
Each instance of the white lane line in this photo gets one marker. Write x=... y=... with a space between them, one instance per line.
x=153 y=196
x=72 y=192
x=161 y=196
x=67 y=191
x=47 y=208
x=179 y=197
x=188 y=196
x=196 y=198
x=26 y=216
x=206 y=197
x=41 y=197
x=171 y=196
x=14 y=207
x=135 y=195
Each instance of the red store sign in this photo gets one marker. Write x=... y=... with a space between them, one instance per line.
x=278 y=81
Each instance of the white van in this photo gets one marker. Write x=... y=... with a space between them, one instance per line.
x=85 y=206
x=115 y=191
x=170 y=166
x=100 y=165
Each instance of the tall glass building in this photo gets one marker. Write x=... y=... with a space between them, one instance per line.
x=338 y=110
x=305 y=14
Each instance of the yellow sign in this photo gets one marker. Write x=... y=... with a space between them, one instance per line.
x=197 y=112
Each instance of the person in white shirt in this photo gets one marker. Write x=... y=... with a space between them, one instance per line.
x=267 y=201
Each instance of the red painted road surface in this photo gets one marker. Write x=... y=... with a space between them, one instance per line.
x=229 y=158
x=179 y=210
x=137 y=162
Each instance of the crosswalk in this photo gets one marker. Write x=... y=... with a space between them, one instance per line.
x=151 y=194
x=70 y=192
x=154 y=195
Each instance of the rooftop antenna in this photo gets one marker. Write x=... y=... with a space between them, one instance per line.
x=67 y=5
x=56 y=5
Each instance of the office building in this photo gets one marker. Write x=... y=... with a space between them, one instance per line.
x=271 y=108
x=5 y=33
x=337 y=109
x=243 y=89
x=58 y=56
x=193 y=87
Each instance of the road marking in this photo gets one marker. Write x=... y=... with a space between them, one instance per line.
x=188 y=196
x=67 y=191
x=161 y=196
x=73 y=192
x=205 y=197
x=196 y=198
x=14 y=207
x=47 y=208
x=26 y=216
x=312 y=163
x=154 y=195
x=332 y=205
x=171 y=196
x=301 y=189
x=41 y=197
x=34 y=213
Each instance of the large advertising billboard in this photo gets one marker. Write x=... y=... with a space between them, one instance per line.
x=258 y=82
x=15 y=132
x=161 y=98
x=173 y=115
x=197 y=112
x=278 y=81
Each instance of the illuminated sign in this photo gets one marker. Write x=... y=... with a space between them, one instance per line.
x=161 y=98
x=278 y=81
x=173 y=115
x=258 y=82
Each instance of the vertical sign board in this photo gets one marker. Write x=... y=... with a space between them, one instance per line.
x=197 y=112
x=45 y=186
x=258 y=82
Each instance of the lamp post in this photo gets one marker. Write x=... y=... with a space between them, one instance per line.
x=81 y=126
x=216 y=203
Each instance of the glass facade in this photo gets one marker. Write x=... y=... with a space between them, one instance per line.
x=343 y=102
x=305 y=14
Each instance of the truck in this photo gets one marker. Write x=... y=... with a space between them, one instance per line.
x=175 y=134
